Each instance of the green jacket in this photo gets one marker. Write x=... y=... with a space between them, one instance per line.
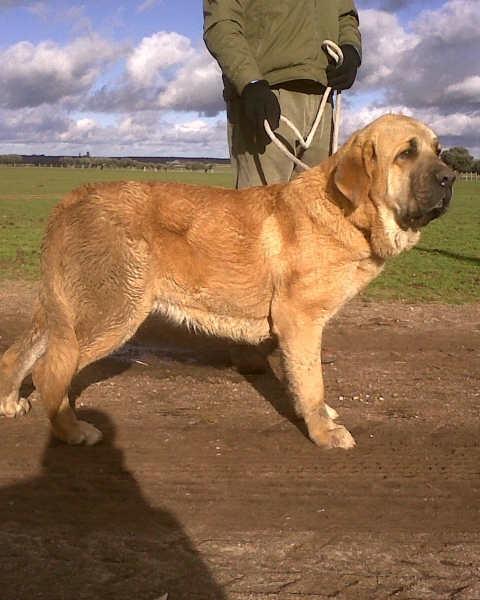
x=276 y=40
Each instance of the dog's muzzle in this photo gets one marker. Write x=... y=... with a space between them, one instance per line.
x=433 y=194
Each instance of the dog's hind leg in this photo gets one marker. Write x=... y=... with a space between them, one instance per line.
x=16 y=364
x=52 y=376
x=67 y=353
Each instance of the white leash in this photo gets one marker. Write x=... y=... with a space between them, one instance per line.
x=335 y=52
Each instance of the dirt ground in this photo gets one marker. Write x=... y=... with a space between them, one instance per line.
x=206 y=487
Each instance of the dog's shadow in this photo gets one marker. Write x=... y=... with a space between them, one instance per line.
x=214 y=353
x=186 y=350
x=82 y=528
x=274 y=390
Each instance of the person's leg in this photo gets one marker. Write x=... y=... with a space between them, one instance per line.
x=321 y=146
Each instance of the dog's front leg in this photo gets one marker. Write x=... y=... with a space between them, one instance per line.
x=300 y=339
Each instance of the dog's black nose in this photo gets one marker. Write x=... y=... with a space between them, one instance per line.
x=446 y=176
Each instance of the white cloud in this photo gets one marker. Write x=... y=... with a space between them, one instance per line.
x=147 y=4
x=38 y=131
x=422 y=65
x=431 y=71
x=31 y=126
x=33 y=75
x=183 y=80
x=457 y=21
x=197 y=86
x=468 y=89
x=82 y=131
x=155 y=54
x=384 y=43
x=457 y=124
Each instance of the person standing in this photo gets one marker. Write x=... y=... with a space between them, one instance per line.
x=274 y=62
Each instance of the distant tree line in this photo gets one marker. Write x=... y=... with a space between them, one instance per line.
x=90 y=162
x=11 y=159
x=460 y=159
x=130 y=163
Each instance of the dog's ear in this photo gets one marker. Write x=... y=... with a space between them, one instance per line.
x=355 y=168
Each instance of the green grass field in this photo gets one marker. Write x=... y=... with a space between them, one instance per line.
x=443 y=267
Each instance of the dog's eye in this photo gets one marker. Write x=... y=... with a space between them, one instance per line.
x=411 y=151
x=405 y=154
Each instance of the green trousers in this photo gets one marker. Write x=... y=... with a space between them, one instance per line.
x=254 y=165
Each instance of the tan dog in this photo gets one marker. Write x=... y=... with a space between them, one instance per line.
x=280 y=259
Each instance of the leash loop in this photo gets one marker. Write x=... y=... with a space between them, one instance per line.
x=334 y=51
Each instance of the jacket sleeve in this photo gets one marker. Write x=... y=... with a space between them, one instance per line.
x=349 y=32
x=224 y=37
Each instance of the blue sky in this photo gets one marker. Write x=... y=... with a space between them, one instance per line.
x=131 y=78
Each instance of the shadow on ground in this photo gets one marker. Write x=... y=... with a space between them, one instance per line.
x=83 y=529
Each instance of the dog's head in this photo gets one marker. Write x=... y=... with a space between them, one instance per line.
x=394 y=163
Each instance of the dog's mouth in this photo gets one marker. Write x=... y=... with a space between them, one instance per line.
x=420 y=218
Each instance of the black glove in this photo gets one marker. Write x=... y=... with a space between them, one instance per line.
x=342 y=77
x=260 y=103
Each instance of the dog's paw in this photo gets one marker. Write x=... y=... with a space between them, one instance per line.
x=14 y=408
x=337 y=437
x=84 y=433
